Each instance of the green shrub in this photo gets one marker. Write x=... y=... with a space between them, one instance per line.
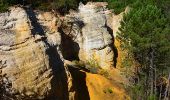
x=118 y=6
x=103 y=73
x=3 y=6
x=108 y=90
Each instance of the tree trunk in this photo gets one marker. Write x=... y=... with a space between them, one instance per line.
x=160 y=92
x=155 y=89
x=152 y=71
x=167 y=87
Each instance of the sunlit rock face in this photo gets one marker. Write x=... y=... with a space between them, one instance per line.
x=34 y=46
x=30 y=62
x=88 y=28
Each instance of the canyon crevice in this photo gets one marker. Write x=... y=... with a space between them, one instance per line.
x=35 y=47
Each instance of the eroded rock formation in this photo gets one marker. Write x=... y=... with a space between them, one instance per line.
x=35 y=45
x=29 y=57
x=89 y=30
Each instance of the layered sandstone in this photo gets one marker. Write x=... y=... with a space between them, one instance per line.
x=89 y=30
x=30 y=61
x=35 y=47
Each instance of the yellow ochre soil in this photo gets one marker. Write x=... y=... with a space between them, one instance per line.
x=100 y=88
x=97 y=87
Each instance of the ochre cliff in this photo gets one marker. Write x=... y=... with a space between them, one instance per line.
x=36 y=46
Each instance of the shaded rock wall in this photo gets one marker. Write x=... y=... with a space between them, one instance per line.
x=30 y=60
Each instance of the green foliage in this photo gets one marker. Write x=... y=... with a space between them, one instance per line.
x=90 y=65
x=145 y=28
x=64 y=5
x=93 y=66
x=108 y=90
x=145 y=31
x=103 y=73
x=5 y=4
x=117 y=5
x=60 y=5
x=152 y=97
x=137 y=91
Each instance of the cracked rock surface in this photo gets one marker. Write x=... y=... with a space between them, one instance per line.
x=29 y=57
x=34 y=46
x=89 y=29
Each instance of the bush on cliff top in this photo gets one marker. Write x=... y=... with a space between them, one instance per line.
x=63 y=5
x=59 y=5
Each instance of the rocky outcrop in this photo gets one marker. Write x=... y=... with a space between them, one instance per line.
x=35 y=47
x=88 y=29
x=30 y=62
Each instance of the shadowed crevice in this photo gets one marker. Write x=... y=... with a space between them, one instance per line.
x=79 y=81
x=37 y=28
x=69 y=48
x=59 y=85
x=113 y=46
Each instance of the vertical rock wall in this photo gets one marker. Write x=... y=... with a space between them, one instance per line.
x=90 y=30
x=30 y=60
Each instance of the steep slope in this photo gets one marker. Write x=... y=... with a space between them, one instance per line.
x=101 y=88
x=90 y=86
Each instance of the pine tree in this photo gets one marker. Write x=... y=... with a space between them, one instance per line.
x=145 y=31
